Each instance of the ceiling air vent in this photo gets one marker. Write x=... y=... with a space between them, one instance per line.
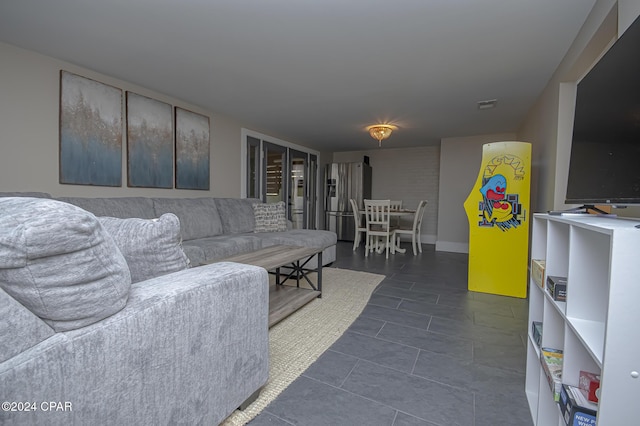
x=488 y=104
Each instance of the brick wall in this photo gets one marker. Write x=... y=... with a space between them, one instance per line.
x=407 y=174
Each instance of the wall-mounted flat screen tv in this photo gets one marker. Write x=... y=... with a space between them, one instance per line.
x=605 y=150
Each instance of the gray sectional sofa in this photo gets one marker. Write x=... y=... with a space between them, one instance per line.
x=107 y=320
x=212 y=228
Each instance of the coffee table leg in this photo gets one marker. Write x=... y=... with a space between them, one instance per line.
x=320 y=273
x=277 y=276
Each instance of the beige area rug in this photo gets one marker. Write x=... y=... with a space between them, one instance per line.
x=298 y=340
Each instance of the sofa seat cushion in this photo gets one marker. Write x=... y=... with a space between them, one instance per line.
x=151 y=247
x=299 y=237
x=236 y=214
x=123 y=207
x=223 y=246
x=59 y=262
x=199 y=217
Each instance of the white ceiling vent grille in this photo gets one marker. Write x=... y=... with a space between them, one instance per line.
x=488 y=104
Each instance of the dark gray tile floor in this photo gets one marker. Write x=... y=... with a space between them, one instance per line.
x=424 y=351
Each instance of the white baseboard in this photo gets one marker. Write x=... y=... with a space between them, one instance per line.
x=452 y=247
x=424 y=238
x=440 y=245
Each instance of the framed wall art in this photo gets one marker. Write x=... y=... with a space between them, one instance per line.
x=192 y=150
x=90 y=132
x=149 y=142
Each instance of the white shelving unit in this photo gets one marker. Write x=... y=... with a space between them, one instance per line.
x=598 y=327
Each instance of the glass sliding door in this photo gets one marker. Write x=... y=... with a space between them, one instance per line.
x=277 y=173
x=253 y=167
x=312 y=192
x=298 y=189
x=274 y=186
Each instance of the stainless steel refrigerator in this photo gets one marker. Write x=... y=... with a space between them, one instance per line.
x=342 y=182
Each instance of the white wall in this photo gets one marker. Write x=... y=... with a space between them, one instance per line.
x=628 y=11
x=29 y=108
x=548 y=125
x=407 y=174
x=460 y=160
x=443 y=174
x=541 y=127
x=29 y=105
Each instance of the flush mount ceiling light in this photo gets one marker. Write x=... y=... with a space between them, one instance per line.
x=488 y=104
x=381 y=131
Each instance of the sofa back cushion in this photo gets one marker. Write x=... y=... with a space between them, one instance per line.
x=198 y=216
x=20 y=329
x=122 y=207
x=151 y=247
x=236 y=214
x=59 y=262
x=26 y=194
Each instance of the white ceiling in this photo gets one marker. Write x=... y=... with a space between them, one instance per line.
x=317 y=72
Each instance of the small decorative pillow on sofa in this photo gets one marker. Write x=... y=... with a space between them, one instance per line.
x=58 y=261
x=270 y=217
x=152 y=247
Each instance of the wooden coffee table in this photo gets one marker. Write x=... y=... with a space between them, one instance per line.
x=286 y=299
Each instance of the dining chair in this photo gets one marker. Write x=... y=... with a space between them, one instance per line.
x=378 y=226
x=360 y=229
x=414 y=231
x=396 y=205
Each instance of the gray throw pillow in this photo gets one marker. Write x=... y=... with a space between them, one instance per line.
x=270 y=217
x=152 y=247
x=236 y=214
x=58 y=261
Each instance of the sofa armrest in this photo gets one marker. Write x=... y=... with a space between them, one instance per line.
x=189 y=347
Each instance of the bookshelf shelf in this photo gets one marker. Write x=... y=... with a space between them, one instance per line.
x=593 y=328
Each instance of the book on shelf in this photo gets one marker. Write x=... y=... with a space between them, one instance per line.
x=589 y=384
x=575 y=408
x=536 y=332
x=537 y=271
x=551 y=360
x=557 y=288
